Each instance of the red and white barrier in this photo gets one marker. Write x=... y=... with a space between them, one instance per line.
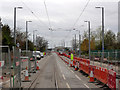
x=1 y=63
x=104 y=75
x=112 y=79
x=17 y=64
x=24 y=60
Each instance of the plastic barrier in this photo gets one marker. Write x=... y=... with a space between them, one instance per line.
x=104 y=75
x=1 y=63
x=96 y=72
x=112 y=79
x=101 y=74
x=84 y=65
x=17 y=63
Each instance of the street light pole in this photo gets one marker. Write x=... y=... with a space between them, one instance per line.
x=89 y=38
x=79 y=44
x=27 y=35
x=15 y=8
x=15 y=25
x=14 y=50
x=75 y=45
x=102 y=33
x=34 y=36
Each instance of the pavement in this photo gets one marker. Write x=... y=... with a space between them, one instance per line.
x=54 y=73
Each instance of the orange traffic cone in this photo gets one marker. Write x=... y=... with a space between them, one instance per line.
x=37 y=68
x=75 y=67
x=26 y=75
x=91 y=77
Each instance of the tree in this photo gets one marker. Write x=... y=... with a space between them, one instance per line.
x=30 y=45
x=118 y=41
x=6 y=36
x=92 y=44
x=21 y=39
x=41 y=43
x=85 y=45
x=110 y=40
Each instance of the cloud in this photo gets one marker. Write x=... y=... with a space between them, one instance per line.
x=62 y=13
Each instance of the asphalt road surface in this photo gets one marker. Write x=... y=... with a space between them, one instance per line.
x=54 y=73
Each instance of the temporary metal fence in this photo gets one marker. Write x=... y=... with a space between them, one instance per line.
x=5 y=66
x=16 y=68
x=27 y=60
x=22 y=59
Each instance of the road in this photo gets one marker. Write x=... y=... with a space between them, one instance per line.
x=54 y=73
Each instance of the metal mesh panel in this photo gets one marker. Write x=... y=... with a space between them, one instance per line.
x=5 y=67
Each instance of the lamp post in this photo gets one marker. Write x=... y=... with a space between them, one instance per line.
x=89 y=37
x=102 y=32
x=14 y=48
x=15 y=8
x=79 y=40
x=34 y=36
x=1 y=32
x=27 y=35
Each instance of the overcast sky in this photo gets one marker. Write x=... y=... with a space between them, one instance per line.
x=62 y=15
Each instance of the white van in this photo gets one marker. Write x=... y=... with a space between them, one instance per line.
x=37 y=55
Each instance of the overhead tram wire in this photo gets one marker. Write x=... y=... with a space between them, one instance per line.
x=78 y=18
x=81 y=14
x=47 y=15
x=34 y=14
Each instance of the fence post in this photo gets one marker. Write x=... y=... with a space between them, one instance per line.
x=35 y=62
x=10 y=67
x=108 y=60
x=20 y=67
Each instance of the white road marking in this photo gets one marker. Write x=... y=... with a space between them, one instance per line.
x=78 y=77
x=67 y=85
x=86 y=85
x=71 y=71
x=63 y=77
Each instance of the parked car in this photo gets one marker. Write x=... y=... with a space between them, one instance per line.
x=37 y=54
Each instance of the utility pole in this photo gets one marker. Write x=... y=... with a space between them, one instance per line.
x=1 y=32
x=1 y=38
x=15 y=25
x=34 y=36
x=15 y=8
x=14 y=50
x=79 y=44
x=102 y=33
x=27 y=35
x=89 y=38
x=75 y=45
